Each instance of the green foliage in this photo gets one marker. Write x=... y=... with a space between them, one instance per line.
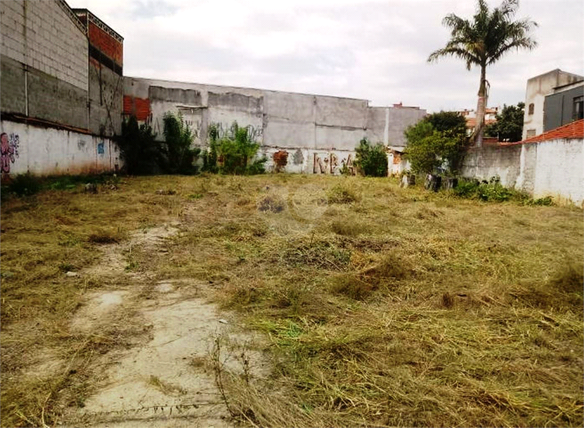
x=233 y=154
x=371 y=160
x=494 y=191
x=22 y=185
x=484 y=40
x=180 y=157
x=509 y=125
x=436 y=143
x=140 y=151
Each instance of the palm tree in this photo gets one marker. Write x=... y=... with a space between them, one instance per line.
x=483 y=41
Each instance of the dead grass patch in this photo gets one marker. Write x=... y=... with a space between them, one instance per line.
x=435 y=313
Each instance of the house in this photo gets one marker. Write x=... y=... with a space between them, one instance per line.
x=471 y=118
x=564 y=105
x=538 y=88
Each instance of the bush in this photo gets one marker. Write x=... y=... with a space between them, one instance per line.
x=141 y=153
x=23 y=185
x=371 y=160
x=436 y=144
x=180 y=157
x=233 y=154
x=494 y=191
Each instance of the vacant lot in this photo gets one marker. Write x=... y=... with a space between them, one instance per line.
x=379 y=306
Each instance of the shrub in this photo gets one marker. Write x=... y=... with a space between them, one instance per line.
x=180 y=157
x=494 y=191
x=233 y=154
x=23 y=185
x=436 y=144
x=140 y=151
x=371 y=160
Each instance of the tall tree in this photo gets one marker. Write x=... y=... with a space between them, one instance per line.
x=483 y=41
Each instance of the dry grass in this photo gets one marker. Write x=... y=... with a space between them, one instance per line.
x=391 y=307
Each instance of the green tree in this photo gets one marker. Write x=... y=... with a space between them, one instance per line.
x=370 y=159
x=483 y=41
x=139 y=149
x=509 y=125
x=436 y=143
x=180 y=156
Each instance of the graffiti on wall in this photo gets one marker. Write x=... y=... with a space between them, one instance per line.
x=228 y=131
x=329 y=164
x=9 y=150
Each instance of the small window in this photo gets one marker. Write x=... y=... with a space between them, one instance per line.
x=530 y=133
x=578 y=110
x=531 y=108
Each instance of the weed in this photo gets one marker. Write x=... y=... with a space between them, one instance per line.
x=272 y=204
x=342 y=194
x=24 y=185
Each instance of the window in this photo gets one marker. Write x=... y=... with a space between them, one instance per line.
x=578 y=109
x=530 y=133
x=531 y=108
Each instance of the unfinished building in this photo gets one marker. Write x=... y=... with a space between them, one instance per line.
x=61 y=88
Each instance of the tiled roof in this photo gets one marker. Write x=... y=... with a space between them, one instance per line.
x=472 y=122
x=566 y=132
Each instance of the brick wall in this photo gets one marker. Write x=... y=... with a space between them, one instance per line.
x=43 y=36
x=139 y=107
x=106 y=43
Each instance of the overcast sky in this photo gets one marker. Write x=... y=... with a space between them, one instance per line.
x=374 y=50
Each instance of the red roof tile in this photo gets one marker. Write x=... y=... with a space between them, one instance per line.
x=571 y=130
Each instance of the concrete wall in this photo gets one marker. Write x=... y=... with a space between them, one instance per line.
x=559 y=107
x=548 y=168
x=44 y=62
x=43 y=35
x=537 y=89
x=311 y=129
x=47 y=151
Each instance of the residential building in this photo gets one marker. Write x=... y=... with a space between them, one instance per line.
x=564 y=105
x=471 y=118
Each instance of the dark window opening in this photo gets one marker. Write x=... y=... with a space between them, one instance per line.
x=578 y=110
x=531 y=108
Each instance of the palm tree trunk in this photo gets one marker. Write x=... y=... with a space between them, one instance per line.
x=481 y=106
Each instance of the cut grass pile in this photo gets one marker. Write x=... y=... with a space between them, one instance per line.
x=383 y=307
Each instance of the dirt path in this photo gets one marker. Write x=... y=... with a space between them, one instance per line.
x=168 y=379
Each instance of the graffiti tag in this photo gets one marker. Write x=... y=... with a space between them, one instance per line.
x=330 y=164
x=9 y=151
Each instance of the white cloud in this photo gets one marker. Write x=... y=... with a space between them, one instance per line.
x=375 y=50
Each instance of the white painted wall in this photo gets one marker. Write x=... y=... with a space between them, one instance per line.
x=311 y=161
x=48 y=151
x=559 y=170
x=549 y=168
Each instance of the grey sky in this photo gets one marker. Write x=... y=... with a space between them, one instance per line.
x=374 y=49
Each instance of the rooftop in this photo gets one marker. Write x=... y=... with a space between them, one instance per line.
x=571 y=130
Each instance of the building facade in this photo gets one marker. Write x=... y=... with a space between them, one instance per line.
x=52 y=122
x=538 y=88
x=564 y=105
